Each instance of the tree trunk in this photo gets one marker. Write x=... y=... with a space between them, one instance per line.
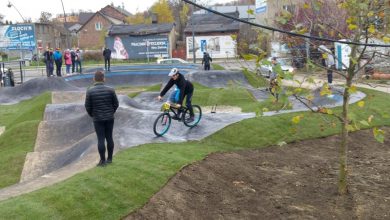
x=343 y=151
x=343 y=171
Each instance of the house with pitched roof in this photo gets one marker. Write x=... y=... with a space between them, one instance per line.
x=92 y=33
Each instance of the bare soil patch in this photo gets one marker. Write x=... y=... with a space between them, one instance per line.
x=296 y=181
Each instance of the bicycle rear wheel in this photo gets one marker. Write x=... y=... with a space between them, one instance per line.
x=162 y=124
x=197 y=116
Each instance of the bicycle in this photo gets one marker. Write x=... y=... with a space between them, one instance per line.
x=163 y=121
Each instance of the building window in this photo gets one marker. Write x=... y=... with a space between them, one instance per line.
x=289 y=8
x=98 y=26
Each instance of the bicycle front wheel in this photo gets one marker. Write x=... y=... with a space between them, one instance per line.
x=162 y=124
x=192 y=122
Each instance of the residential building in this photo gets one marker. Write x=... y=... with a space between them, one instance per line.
x=212 y=34
x=92 y=33
x=267 y=10
x=241 y=9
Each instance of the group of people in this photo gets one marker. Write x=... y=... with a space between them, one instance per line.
x=101 y=104
x=71 y=58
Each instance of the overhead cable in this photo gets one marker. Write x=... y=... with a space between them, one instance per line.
x=285 y=32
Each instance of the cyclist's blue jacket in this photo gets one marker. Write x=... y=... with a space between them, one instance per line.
x=184 y=86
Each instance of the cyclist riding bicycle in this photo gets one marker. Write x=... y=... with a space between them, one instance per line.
x=185 y=89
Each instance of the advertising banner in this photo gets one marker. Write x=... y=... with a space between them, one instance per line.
x=17 y=37
x=216 y=46
x=138 y=47
x=261 y=6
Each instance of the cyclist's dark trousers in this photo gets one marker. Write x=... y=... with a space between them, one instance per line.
x=104 y=132
x=107 y=61
x=189 y=104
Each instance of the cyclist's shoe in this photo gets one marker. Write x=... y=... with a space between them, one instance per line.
x=191 y=119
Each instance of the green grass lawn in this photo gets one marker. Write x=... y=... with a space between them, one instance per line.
x=137 y=173
x=215 y=66
x=21 y=122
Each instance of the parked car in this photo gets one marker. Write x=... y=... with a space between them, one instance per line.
x=266 y=69
x=171 y=61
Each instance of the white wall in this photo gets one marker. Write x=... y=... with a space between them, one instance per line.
x=222 y=46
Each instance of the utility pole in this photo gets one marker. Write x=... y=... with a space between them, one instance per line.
x=66 y=34
x=193 y=34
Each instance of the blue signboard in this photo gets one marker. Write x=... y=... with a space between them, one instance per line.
x=17 y=37
x=261 y=6
x=138 y=47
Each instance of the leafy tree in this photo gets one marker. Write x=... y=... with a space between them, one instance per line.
x=163 y=11
x=357 y=21
x=45 y=17
x=359 y=16
x=139 y=18
x=181 y=12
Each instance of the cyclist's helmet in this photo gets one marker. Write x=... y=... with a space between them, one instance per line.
x=173 y=72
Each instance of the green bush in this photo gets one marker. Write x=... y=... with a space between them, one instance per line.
x=93 y=55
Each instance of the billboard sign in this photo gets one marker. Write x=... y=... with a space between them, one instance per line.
x=17 y=37
x=138 y=47
x=261 y=6
x=216 y=46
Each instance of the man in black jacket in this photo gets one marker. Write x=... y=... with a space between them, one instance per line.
x=107 y=58
x=186 y=89
x=101 y=103
x=206 y=61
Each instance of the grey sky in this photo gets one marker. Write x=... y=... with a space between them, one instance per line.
x=32 y=8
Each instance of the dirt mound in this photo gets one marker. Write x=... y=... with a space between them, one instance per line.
x=33 y=88
x=296 y=181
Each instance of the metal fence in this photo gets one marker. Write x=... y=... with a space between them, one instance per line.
x=12 y=73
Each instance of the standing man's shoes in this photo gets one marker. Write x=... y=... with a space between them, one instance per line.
x=109 y=160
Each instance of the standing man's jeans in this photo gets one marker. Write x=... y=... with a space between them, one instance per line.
x=47 y=68
x=207 y=66
x=107 y=61
x=51 y=68
x=78 y=66
x=73 y=64
x=103 y=131
x=68 y=68
x=58 y=67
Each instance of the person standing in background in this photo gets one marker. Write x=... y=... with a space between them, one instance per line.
x=45 y=55
x=58 y=61
x=78 y=60
x=107 y=58
x=68 y=61
x=73 y=58
x=49 y=59
x=206 y=61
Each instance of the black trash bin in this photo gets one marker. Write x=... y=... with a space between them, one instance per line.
x=8 y=78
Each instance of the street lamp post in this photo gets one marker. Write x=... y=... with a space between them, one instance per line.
x=9 y=5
